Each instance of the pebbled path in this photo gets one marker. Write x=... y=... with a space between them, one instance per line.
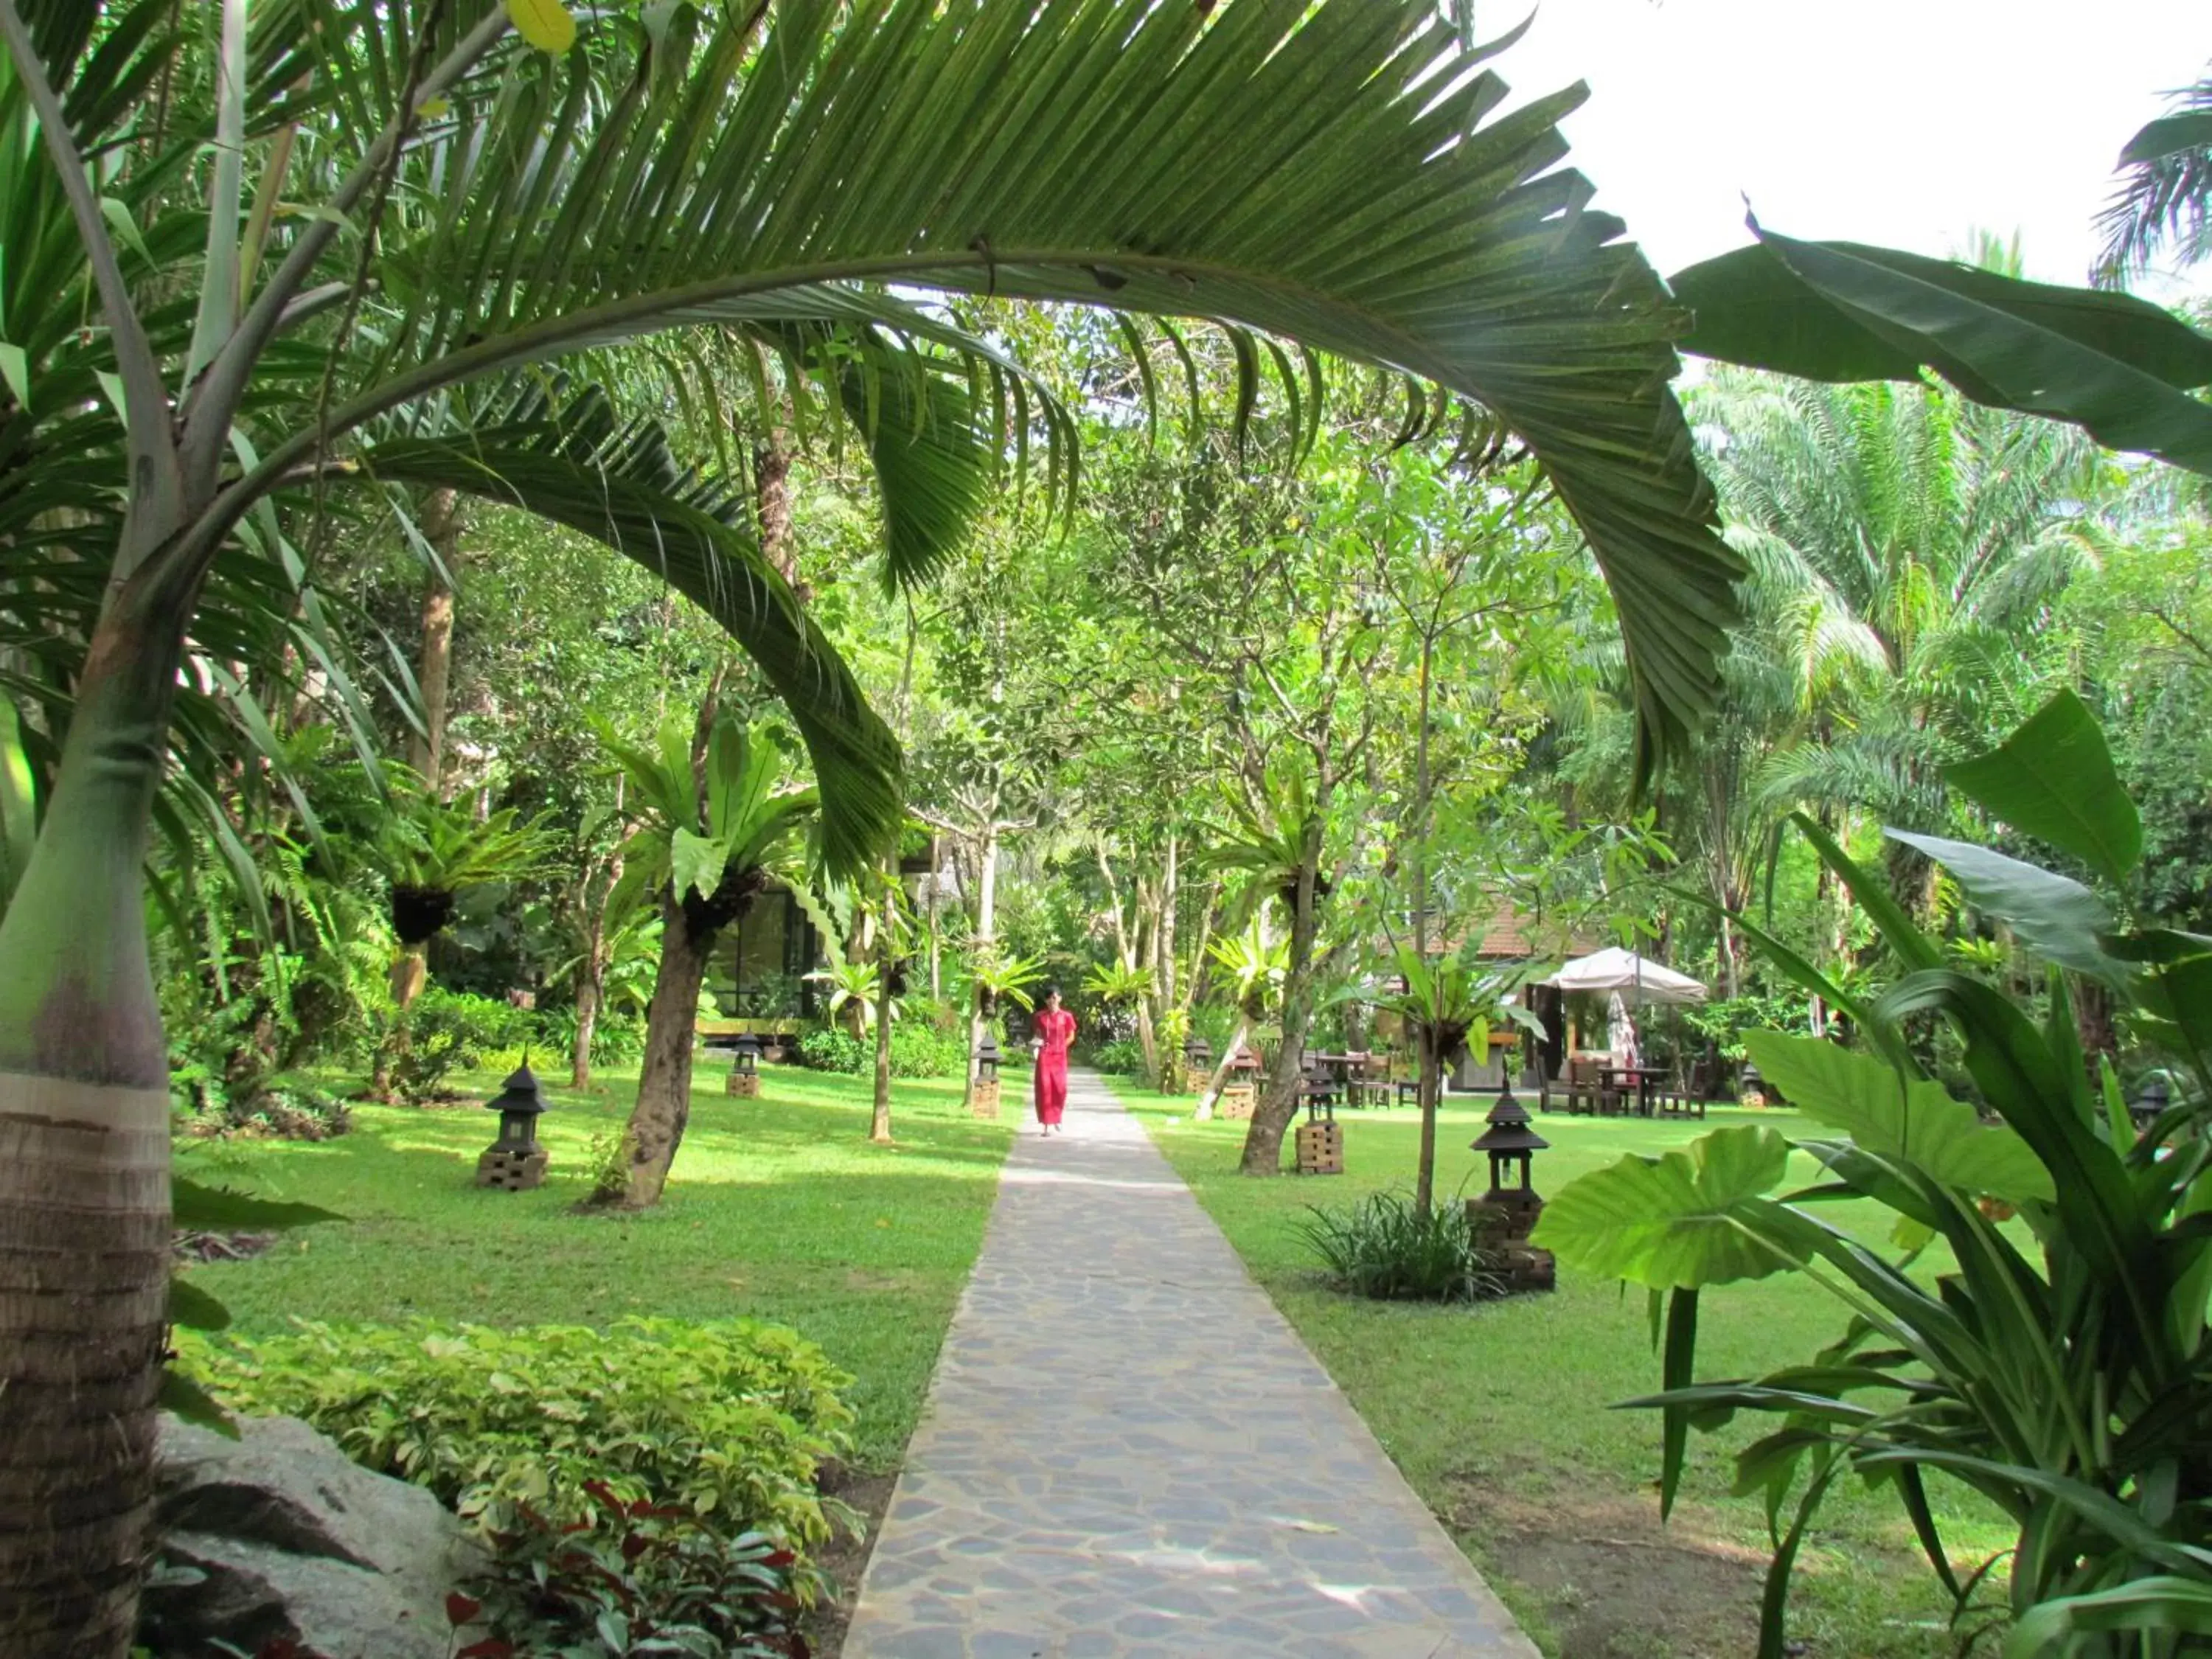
x=1127 y=1453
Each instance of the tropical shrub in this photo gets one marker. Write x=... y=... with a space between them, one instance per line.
x=831 y=1050
x=1120 y=1054
x=283 y=1108
x=916 y=1051
x=922 y=1051
x=2061 y=1373
x=451 y=1031
x=728 y=1420
x=617 y=1038
x=1391 y=1248
x=626 y=1578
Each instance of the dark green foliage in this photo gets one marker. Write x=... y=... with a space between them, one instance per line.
x=625 y=1578
x=728 y=1420
x=1388 y=1247
x=451 y=1031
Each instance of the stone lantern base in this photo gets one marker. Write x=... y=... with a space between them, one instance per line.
x=1502 y=1221
x=1320 y=1148
x=513 y=1172
x=1237 y=1100
x=745 y=1085
x=983 y=1098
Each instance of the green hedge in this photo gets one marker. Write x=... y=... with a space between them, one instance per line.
x=729 y=1418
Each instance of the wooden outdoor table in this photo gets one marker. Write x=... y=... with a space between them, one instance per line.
x=1638 y=1079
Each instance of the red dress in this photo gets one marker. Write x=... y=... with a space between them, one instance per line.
x=1055 y=1029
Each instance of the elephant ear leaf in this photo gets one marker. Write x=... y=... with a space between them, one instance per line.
x=1916 y=1122
x=2054 y=779
x=1698 y=1216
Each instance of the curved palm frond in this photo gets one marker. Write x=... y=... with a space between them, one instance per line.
x=2165 y=197
x=1331 y=172
x=578 y=465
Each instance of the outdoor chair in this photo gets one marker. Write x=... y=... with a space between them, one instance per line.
x=1689 y=1100
x=1370 y=1082
x=1585 y=1087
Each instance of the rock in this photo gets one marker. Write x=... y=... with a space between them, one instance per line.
x=282 y=1537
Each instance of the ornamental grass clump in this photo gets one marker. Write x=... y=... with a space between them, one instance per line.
x=729 y=1420
x=1389 y=1249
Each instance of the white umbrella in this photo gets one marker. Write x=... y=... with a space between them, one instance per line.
x=1615 y=969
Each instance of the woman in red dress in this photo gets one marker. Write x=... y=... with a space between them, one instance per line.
x=1055 y=1029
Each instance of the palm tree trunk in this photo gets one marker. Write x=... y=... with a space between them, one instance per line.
x=664 y=1081
x=84 y=1170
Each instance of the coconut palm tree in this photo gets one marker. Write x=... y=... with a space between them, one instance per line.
x=1905 y=546
x=717 y=829
x=261 y=259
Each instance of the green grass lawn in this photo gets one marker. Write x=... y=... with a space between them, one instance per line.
x=778 y=1208
x=1502 y=1415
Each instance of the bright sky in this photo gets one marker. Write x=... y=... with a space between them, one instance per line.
x=1907 y=123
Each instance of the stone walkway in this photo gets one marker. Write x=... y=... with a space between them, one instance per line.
x=1128 y=1455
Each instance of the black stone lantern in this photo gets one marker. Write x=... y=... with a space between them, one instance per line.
x=2150 y=1102
x=515 y=1161
x=986 y=1060
x=1197 y=1055
x=1510 y=1145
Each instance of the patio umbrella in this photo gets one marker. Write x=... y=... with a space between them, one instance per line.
x=1615 y=969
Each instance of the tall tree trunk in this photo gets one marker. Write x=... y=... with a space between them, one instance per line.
x=441 y=528
x=1263 y=1141
x=588 y=993
x=936 y=973
x=880 y=1127
x=1211 y=1090
x=986 y=905
x=1162 y=963
x=84 y=1169
x=772 y=487
x=664 y=1080
x=1430 y=1072
x=1432 y=1086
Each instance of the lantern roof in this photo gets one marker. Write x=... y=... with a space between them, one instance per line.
x=747 y=1040
x=988 y=1048
x=1509 y=1137
x=521 y=1092
x=1509 y=1130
